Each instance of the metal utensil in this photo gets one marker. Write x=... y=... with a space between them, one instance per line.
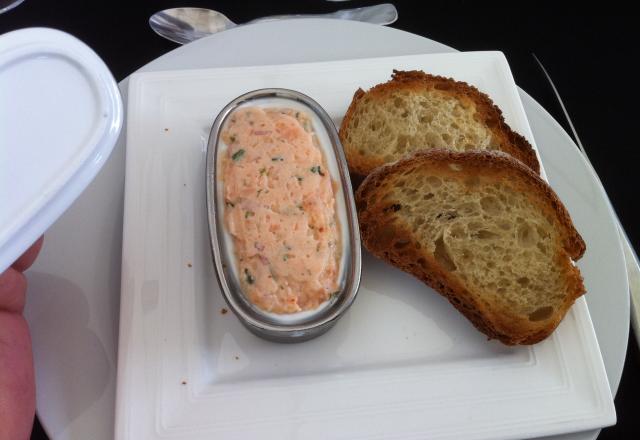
x=630 y=256
x=7 y=5
x=183 y=25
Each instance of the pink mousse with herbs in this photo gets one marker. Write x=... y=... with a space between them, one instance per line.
x=280 y=209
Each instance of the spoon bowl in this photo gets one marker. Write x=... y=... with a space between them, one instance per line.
x=183 y=25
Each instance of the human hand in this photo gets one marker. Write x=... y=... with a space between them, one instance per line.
x=17 y=380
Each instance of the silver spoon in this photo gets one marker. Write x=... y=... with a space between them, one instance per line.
x=183 y=25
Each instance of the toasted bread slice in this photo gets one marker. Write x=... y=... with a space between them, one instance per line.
x=483 y=230
x=415 y=111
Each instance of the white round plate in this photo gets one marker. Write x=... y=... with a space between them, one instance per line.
x=73 y=305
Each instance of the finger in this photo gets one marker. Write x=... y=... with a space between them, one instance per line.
x=13 y=286
x=26 y=260
x=17 y=382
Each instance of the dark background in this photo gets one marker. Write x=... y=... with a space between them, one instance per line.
x=588 y=56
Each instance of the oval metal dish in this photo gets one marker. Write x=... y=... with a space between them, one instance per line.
x=300 y=326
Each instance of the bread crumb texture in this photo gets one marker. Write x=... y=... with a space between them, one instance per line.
x=414 y=111
x=481 y=229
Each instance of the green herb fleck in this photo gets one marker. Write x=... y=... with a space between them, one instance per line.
x=238 y=155
x=277 y=159
x=285 y=257
x=335 y=294
x=263 y=171
x=318 y=170
x=250 y=279
x=248 y=214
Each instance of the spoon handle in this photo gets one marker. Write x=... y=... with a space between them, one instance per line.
x=382 y=14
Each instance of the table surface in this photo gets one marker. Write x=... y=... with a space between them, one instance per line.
x=577 y=52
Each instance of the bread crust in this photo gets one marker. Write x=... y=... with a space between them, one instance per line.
x=379 y=236
x=486 y=112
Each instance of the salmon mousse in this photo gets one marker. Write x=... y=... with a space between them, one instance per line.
x=280 y=209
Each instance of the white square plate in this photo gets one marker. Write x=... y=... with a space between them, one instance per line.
x=401 y=364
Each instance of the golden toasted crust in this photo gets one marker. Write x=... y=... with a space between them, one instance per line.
x=380 y=236
x=487 y=113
